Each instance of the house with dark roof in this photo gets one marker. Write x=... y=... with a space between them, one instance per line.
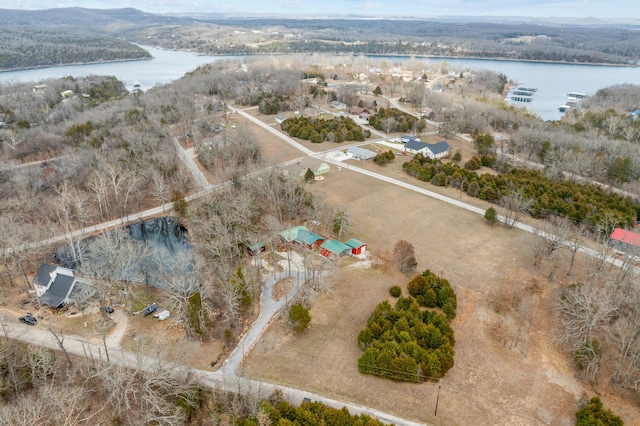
x=416 y=147
x=53 y=285
x=360 y=153
x=438 y=150
x=334 y=249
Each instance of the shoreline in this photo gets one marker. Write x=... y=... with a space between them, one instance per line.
x=76 y=63
x=370 y=55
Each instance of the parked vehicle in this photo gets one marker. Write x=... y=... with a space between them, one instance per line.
x=107 y=309
x=150 y=309
x=163 y=315
x=28 y=319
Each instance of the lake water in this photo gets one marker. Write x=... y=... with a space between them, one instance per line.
x=553 y=81
x=166 y=66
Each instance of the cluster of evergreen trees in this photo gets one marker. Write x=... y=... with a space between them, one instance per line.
x=309 y=413
x=406 y=342
x=403 y=122
x=317 y=130
x=581 y=203
x=433 y=291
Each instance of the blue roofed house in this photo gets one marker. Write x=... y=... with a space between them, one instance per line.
x=438 y=150
x=53 y=285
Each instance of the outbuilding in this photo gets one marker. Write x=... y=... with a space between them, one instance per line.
x=360 y=153
x=334 y=248
x=624 y=240
x=357 y=246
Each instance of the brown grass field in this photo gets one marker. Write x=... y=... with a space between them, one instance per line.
x=508 y=367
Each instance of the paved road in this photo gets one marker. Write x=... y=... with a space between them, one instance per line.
x=269 y=307
x=187 y=160
x=38 y=335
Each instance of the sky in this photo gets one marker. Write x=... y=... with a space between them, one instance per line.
x=403 y=8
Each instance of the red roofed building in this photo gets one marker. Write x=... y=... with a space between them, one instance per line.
x=624 y=239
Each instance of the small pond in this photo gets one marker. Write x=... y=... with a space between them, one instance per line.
x=146 y=252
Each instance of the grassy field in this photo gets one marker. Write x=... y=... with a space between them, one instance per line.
x=508 y=368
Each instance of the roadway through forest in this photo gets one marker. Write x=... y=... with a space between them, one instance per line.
x=224 y=379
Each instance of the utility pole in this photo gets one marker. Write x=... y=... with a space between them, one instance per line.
x=435 y=413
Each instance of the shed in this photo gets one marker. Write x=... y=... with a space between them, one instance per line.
x=360 y=153
x=254 y=249
x=409 y=138
x=357 y=246
x=334 y=248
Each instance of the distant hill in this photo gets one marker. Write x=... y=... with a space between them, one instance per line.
x=40 y=38
x=89 y=19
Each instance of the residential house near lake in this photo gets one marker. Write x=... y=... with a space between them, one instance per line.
x=317 y=166
x=57 y=286
x=434 y=151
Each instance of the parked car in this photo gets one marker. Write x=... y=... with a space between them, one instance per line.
x=150 y=309
x=28 y=319
x=163 y=315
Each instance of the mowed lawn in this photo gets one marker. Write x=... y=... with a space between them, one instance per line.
x=526 y=380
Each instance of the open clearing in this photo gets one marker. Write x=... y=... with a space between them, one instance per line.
x=504 y=373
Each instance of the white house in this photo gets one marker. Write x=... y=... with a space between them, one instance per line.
x=438 y=150
x=415 y=146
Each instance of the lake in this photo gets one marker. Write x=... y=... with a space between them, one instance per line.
x=552 y=80
x=166 y=66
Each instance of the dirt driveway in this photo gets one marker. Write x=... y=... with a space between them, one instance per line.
x=508 y=370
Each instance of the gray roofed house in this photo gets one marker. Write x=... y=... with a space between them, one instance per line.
x=43 y=276
x=438 y=150
x=361 y=153
x=416 y=147
x=317 y=166
x=53 y=284
x=58 y=292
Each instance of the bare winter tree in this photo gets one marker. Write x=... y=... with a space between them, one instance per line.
x=404 y=256
x=515 y=203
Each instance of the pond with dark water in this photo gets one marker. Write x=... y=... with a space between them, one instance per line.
x=145 y=252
